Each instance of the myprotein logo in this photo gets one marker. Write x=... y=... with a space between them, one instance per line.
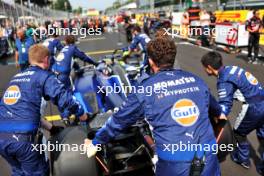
x=251 y=78
x=185 y=112
x=12 y=95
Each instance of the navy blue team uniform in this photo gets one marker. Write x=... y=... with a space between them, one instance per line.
x=140 y=40
x=54 y=45
x=178 y=114
x=20 y=117
x=234 y=82
x=64 y=61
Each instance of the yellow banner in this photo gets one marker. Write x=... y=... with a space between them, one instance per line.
x=231 y=15
x=237 y=16
x=93 y=13
x=139 y=18
x=261 y=40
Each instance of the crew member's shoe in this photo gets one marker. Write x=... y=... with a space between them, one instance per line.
x=260 y=169
x=234 y=158
x=255 y=62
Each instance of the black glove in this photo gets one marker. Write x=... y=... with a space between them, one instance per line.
x=55 y=130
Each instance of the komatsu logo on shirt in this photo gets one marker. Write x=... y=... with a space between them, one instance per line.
x=185 y=112
x=169 y=83
x=12 y=95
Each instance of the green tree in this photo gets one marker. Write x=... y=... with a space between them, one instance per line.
x=63 y=5
x=129 y=1
x=79 y=10
x=116 y=4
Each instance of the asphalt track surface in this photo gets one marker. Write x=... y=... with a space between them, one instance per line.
x=188 y=57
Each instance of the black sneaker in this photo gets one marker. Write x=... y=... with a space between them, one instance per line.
x=260 y=169
x=244 y=164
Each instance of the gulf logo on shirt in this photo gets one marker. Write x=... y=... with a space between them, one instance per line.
x=60 y=57
x=185 y=112
x=251 y=78
x=12 y=95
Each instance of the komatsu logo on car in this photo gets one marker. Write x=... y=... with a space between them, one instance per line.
x=251 y=78
x=12 y=95
x=185 y=112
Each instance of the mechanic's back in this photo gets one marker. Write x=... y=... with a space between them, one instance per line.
x=241 y=80
x=64 y=61
x=179 y=112
x=20 y=113
x=176 y=104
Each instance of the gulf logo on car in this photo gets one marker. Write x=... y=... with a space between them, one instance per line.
x=251 y=78
x=185 y=112
x=12 y=95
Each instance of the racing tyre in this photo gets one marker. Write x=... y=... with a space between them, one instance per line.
x=224 y=134
x=71 y=162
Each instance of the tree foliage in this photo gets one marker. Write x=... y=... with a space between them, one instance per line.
x=79 y=10
x=63 y=5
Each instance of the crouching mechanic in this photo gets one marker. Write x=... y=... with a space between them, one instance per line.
x=20 y=113
x=234 y=82
x=64 y=61
x=178 y=112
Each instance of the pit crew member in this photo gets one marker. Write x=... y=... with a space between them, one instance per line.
x=20 y=113
x=178 y=114
x=64 y=61
x=234 y=82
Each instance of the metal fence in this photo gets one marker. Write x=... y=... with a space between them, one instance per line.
x=13 y=11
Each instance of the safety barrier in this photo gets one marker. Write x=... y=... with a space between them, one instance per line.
x=13 y=11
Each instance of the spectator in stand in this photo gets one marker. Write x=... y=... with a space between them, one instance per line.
x=146 y=24
x=212 y=26
x=185 y=25
x=254 y=26
x=128 y=27
x=205 y=23
x=133 y=19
